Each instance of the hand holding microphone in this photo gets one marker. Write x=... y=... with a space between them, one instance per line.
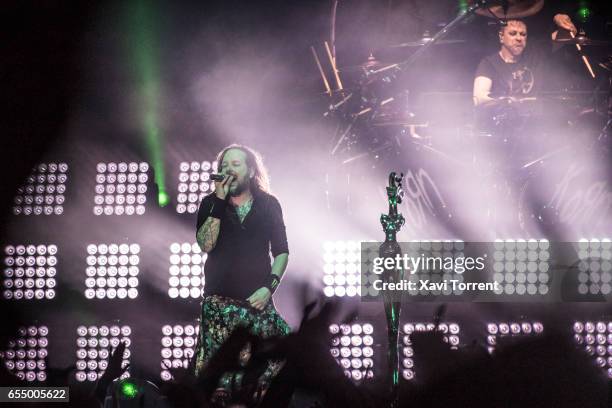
x=222 y=184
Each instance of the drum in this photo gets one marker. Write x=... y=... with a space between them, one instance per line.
x=568 y=191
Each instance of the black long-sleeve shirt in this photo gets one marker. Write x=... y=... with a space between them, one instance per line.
x=240 y=263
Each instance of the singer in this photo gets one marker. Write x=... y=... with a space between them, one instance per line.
x=238 y=226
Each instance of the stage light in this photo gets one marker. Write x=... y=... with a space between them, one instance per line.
x=186 y=271
x=495 y=330
x=596 y=337
x=163 y=199
x=352 y=346
x=194 y=184
x=341 y=268
x=584 y=12
x=112 y=271
x=29 y=272
x=121 y=188
x=450 y=334
x=25 y=356
x=521 y=266
x=178 y=347
x=129 y=389
x=43 y=192
x=93 y=343
x=595 y=266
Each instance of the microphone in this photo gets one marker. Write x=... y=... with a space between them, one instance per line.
x=219 y=177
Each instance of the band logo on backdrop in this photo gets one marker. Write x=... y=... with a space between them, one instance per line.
x=423 y=198
x=578 y=203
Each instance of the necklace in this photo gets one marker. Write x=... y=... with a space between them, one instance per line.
x=506 y=60
x=243 y=209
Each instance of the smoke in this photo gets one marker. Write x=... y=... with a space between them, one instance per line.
x=246 y=75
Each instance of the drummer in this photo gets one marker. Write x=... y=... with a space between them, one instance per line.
x=511 y=74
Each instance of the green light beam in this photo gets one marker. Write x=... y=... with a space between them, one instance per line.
x=143 y=51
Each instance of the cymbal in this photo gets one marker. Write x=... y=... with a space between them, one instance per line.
x=424 y=41
x=342 y=92
x=372 y=64
x=395 y=118
x=401 y=123
x=516 y=9
x=558 y=97
x=582 y=40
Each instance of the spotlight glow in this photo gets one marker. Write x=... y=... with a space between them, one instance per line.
x=29 y=272
x=43 y=192
x=450 y=335
x=129 y=389
x=596 y=337
x=353 y=348
x=521 y=266
x=341 y=268
x=112 y=271
x=595 y=266
x=25 y=356
x=194 y=184
x=186 y=270
x=495 y=330
x=163 y=199
x=93 y=343
x=178 y=347
x=121 y=188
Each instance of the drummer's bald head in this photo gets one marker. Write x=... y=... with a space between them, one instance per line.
x=516 y=24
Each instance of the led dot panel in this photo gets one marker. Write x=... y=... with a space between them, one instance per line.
x=194 y=184
x=25 y=356
x=521 y=266
x=450 y=335
x=341 y=268
x=29 y=272
x=596 y=337
x=112 y=271
x=352 y=345
x=595 y=266
x=496 y=330
x=177 y=347
x=121 y=188
x=93 y=343
x=43 y=191
x=186 y=270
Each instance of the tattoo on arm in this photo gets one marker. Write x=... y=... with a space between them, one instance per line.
x=208 y=233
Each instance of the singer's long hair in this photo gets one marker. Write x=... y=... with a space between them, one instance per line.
x=260 y=180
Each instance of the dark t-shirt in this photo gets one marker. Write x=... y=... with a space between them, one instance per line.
x=240 y=261
x=520 y=79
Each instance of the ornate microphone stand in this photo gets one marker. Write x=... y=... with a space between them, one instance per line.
x=392 y=223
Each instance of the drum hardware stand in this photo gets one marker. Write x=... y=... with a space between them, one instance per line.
x=543 y=157
x=605 y=132
x=437 y=37
x=370 y=106
x=342 y=137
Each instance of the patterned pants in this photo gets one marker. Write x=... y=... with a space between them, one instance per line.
x=220 y=315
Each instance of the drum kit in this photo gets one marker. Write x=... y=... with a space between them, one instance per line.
x=375 y=115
